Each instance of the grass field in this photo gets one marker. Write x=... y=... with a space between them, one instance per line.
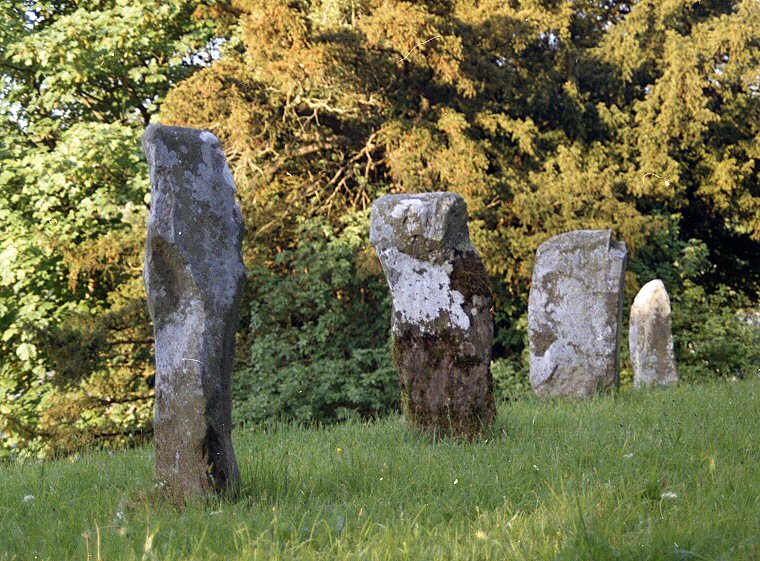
x=669 y=474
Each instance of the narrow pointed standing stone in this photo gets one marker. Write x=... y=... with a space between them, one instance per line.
x=651 y=337
x=574 y=314
x=442 y=326
x=194 y=276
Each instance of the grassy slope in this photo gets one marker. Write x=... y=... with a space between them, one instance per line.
x=554 y=481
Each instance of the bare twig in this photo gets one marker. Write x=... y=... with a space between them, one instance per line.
x=667 y=183
x=415 y=47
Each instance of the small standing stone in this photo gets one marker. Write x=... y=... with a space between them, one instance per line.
x=574 y=314
x=651 y=337
x=442 y=327
x=194 y=276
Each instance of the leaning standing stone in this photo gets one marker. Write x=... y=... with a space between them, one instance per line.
x=194 y=276
x=651 y=337
x=574 y=314
x=441 y=325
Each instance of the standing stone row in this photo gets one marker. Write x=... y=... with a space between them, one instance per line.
x=574 y=319
x=441 y=325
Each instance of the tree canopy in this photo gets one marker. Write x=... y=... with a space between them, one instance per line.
x=546 y=115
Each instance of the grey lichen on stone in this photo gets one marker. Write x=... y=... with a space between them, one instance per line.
x=441 y=323
x=574 y=313
x=194 y=277
x=651 y=337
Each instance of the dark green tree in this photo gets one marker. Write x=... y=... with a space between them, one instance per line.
x=546 y=116
x=319 y=324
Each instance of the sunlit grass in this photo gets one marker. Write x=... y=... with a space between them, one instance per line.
x=669 y=474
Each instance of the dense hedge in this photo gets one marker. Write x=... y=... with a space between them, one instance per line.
x=318 y=333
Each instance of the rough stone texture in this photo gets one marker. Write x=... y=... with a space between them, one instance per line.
x=574 y=314
x=442 y=326
x=194 y=276
x=651 y=337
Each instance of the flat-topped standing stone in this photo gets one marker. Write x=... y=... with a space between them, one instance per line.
x=651 y=337
x=194 y=276
x=574 y=313
x=442 y=327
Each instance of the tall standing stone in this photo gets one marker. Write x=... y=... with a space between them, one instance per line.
x=442 y=327
x=651 y=337
x=194 y=276
x=574 y=313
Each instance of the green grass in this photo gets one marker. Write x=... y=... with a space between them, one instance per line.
x=560 y=480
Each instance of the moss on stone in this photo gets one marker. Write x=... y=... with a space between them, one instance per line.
x=451 y=408
x=469 y=277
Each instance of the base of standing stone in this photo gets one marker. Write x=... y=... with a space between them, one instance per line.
x=437 y=380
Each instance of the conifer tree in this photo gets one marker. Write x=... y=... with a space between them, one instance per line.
x=547 y=117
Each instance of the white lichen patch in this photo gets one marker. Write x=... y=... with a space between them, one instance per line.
x=206 y=136
x=404 y=206
x=574 y=313
x=422 y=291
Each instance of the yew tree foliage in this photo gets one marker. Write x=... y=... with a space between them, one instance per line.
x=79 y=80
x=546 y=115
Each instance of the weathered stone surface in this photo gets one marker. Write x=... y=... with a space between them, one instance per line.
x=651 y=337
x=194 y=276
x=442 y=326
x=574 y=313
